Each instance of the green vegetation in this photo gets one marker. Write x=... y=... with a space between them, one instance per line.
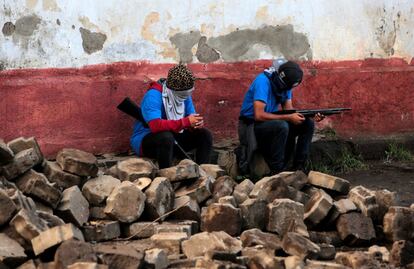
x=396 y=152
x=328 y=132
x=346 y=163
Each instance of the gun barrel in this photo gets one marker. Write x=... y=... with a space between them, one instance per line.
x=313 y=112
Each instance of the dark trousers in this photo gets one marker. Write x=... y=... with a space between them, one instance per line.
x=161 y=146
x=276 y=141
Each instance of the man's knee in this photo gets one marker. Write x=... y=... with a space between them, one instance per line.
x=279 y=127
x=309 y=125
x=165 y=139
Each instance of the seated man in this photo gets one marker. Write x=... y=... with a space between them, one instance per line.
x=170 y=118
x=275 y=135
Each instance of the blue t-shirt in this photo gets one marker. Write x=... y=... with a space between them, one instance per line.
x=261 y=90
x=153 y=108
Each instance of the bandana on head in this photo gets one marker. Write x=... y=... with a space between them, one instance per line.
x=174 y=102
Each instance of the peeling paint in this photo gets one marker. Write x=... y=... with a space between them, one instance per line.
x=92 y=42
x=8 y=28
x=206 y=54
x=185 y=42
x=31 y=4
x=386 y=32
x=26 y=25
x=86 y=23
x=50 y=5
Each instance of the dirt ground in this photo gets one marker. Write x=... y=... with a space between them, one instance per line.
x=398 y=177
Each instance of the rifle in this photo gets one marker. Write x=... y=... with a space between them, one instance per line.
x=313 y=112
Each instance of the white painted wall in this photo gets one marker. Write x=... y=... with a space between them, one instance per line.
x=140 y=29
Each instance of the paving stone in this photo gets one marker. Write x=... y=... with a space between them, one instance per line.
x=126 y=203
x=50 y=219
x=344 y=206
x=385 y=199
x=98 y=231
x=213 y=170
x=21 y=201
x=327 y=237
x=311 y=264
x=96 y=190
x=329 y=182
x=37 y=186
x=357 y=259
x=73 y=251
x=298 y=245
x=355 y=228
x=54 y=236
x=42 y=207
x=402 y=253
x=294 y=262
x=171 y=242
x=20 y=144
x=74 y=207
x=264 y=260
x=242 y=190
x=6 y=154
x=285 y=215
x=156 y=258
x=140 y=229
x=399 y=223
x=173 y=228
x=219 y=217
x=77 y=162
x=200 y=190
x=186 y=169
x=254 y=237
x=28 y=224
x=135 y=168
x=11 y=253
x=143 y=182
x=270 y=188
x=298 y=196
x=7 y=207
x=160 y=198
x=22 y=162
x=229 y=200
x=63 y=179
x=252 y=214
x=365 y=200
x=296 y=179
x=188 y=209
x=199 y=244
x=97 y=213
x=223 y=186
x=327 y=252
x=11 y=232
x=192 y=223
x=87 y=265
x=380 y=251
x=119 y=256
x=318 y=207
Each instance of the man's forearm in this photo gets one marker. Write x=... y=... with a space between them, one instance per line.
x=264 y=116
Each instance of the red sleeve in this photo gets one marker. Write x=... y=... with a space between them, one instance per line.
x=160 y=125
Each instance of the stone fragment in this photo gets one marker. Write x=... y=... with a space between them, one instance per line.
x=219 y=217
x=11 y=253
x=98 y=231
x=294 y=262
x=356 y=259
x=87 y=265
x=54 y=236
x=296 y=179
x=6 y=154
x=37 y=186
x=96 y=190
x=42 y=207
x=143 y=182
x=298 y=245
x=311 y=264
x=7 y=208
x=327 y=252
x=22 y=162
x=402 y=253
x=183 y=263
x=285 y=215
x=355 y=228
x=252 y=214
x=11 y=232
x=216 y=264
x=126 y=202
x=365 y=200
x=318 y=207
x=74 y=207
x=56 y=175
x=160 y=198
x=270 y=188
x=264 y=260
x=50 y=219
x=156 y=258
x=379 y=251
x=213 y=170
x=77 y=162
x=173 y=228
x=186 y=169
x=20 y=200
x=229 y=200
x=330 y=237
x=140 y=229
x=135 y=168
x=28 y=224
x=399 y=223
x=30 y=264
x=119 y=256
x=255 y=237
x=97 y=213
x=20 y=144
x=385 y=199
x=73 y=251
x=171 y=242
x=242 y=190
x=186 y=208
x=199 y=244
x=329 y=182
x=223 y=186
x=298 y=196
x=344 y=206
x=200 y=190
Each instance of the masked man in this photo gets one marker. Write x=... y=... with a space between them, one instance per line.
x=170 y=119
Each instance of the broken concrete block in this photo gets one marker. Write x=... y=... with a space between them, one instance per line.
x=298 y=245
x=355 y=228
x=219 y=217
x=223 y=186
x=87 y=265
x=213 y=170
x=296 y=179
x=20 y=200
x=126 y=202
x=74 y=207
x=385 y=199
x=329 y=182
x=311 y=264
x=327 y=252
x=285 y=215
x=77 y=162
x=156 y=258
x=186 y=169
x=402 y=253
x=270 y=188
x=399 y=223
x=6 y=154
x=119 y=256
x=255 y=237
x=242 y=190
x=171 y=242
x=55 y=174
x=22 y=162
x=140 y=229
x=229 y=200
x=344 y=206
x=199 y=244
x=294 y=262
x=318 y=207
x=143 y=183
x=20 y=144
x=134 y=168
x=356 y=259
x=50 y=219
x=252 y=214
x=173 y=228
x=200 y=190
x=160 y=198
x=365 y=200
x=264 y=260
x=330 y=237
x=28 y=224
x=7 y=208
x=97 y=213
x=11 y=232
x=11 y=253
x=186 y=209
x=73 y=251
x=298 y=196
x=379 y=251
x=42 y=207
x=37 y=186
x=96 y=190
x=54 y=236
x=98 y=231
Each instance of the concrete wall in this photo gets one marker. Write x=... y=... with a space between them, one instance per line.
x=61 y=83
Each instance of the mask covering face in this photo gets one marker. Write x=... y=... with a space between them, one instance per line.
x=290 y=74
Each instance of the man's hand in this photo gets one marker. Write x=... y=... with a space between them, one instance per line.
x=296 y=118
x=318 y=117
x=196 y=121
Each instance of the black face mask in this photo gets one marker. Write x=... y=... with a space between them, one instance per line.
x=278 y=85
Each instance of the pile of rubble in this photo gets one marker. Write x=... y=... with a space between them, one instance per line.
x=71 y=213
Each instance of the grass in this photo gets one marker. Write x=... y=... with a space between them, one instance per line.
x=346 y=163
x=396 y=152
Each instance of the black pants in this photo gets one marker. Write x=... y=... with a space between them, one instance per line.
x=161 y=146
